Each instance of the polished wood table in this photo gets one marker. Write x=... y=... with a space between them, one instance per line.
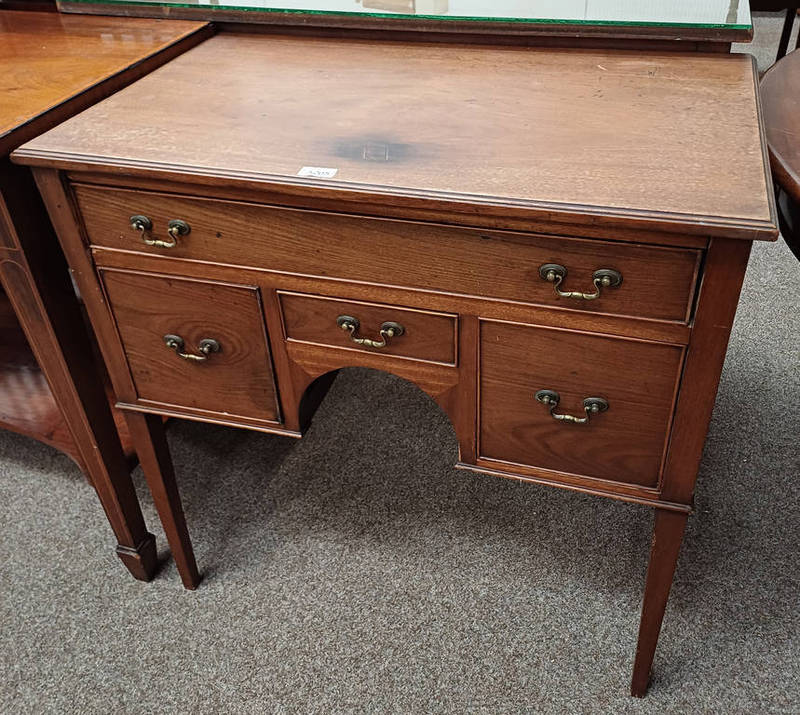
x=550 y=243
x=51 y=67
x=780 y=91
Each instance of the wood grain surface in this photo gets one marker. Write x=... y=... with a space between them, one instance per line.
x=27 y=404
x=50 y=68
x=426 y=335
x=444 y=301
x=237 y=380
x=624 y=444
x=658 y=283
x=48 y=59
x=669 y=139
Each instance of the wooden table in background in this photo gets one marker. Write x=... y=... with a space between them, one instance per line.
x=780 y=92
x=51 y=67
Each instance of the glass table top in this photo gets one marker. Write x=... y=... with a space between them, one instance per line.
x=725 y=14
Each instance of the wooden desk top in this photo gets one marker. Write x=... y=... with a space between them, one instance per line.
x=630 y=139
x=780 y=92
x=48 y=60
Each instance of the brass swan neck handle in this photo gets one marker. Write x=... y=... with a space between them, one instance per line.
x=388 y=331
x=205 y=347
x=601 y=278
x=591 y=406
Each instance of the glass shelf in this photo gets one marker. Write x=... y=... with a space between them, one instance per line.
x=719 y=14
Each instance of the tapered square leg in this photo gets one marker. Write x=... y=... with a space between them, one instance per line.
x=150 y=442
x=667 y=537
x=141 y=560
x=34 y=275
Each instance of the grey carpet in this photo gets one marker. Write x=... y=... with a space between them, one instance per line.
x=357 y=571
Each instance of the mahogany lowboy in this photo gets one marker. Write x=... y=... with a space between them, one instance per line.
x=556 y=262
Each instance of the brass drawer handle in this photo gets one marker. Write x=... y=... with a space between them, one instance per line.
x=388 y=331
x=592 y=406
x=175 y=228
x=602 y=278
x=206 y=346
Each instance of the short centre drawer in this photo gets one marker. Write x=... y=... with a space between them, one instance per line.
x=589 y=275
x=578 y=403
x=193 y=345
x=386 y=329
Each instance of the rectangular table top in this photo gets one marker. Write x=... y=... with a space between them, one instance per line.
x=47 y=59
x=667 y=140
x=720 y=20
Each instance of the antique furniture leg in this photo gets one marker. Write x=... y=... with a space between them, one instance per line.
x=726 y=262
x=786 y=33
x=667 y=536
x=35 y=277
x=150 y=441
x=791 y=7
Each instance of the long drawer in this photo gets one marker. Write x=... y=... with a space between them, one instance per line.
x=584 y=404
x=610 y=277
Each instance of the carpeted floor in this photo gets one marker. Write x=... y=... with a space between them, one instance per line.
x=357 y=571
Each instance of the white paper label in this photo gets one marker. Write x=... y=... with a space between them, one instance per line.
x=317 y=172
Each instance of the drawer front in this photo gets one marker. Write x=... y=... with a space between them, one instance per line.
x=385 y=329
x=233 y=377
x=635 y=382
x=656 y=282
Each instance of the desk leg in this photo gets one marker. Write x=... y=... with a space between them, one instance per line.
x=35 y=277
x=150 y=442
x=667 y=537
